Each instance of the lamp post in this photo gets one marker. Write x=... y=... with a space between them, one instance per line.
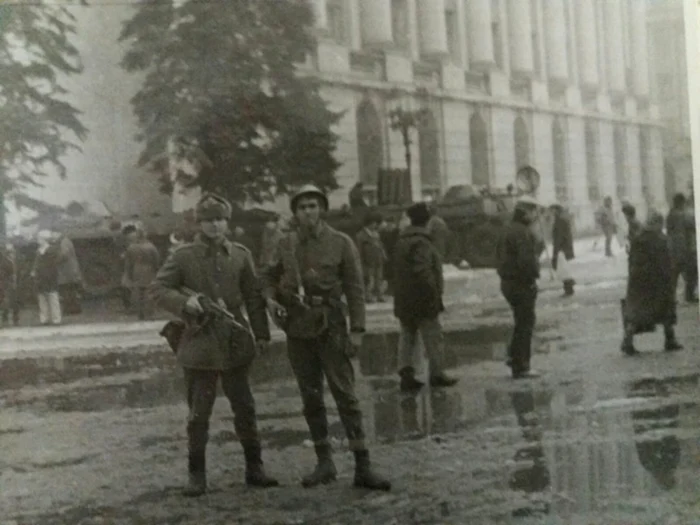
x=403 y=121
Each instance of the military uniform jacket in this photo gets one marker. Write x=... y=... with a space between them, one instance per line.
x=323 y=262
x=223 y=271
x=517 y=255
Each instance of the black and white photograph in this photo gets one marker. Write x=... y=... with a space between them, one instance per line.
x=349 y=262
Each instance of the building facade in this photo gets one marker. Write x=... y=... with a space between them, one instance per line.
x=563 y=86
x=667 y=44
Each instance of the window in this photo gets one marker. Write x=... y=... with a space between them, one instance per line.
x=370 y=143
x=429 y=148
x=536 y=57
x=453 y=46
x=399 y=24
x=561 y=186
x=479 y=147
x=592 y=164
x=336 y=21
x=620 y=168
x=496 y=30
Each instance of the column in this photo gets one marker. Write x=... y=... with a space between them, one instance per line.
x=520 y=33
x=320 y=14
x=639 y=41
x=375 y=22
x=480 y=19
x=432 y=27
x=555 y=40
x=615 y=51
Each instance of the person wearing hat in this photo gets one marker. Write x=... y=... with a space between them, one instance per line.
x=223 y=272
x=418 y=303
x=142 y=261
x=634 y=227
x=315 y=266
x=562 y=243
x=518 y=268
x=650 y=299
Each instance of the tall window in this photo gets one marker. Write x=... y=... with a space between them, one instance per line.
x=453 y=36
x=535 y=21
x=429 y=148
x=619 y=143
x=336 y=21
x=521 y=138
x=497 y=33
x=592 y=163
x=479 y=147
x=399 y=24
x=561 y=186
x=644 y=161
x=370 y=142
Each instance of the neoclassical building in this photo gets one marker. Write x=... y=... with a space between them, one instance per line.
x=561 y=85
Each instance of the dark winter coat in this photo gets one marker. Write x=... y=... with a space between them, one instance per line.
x=222 y=271
x=677 y=231
x=562 y=238
x=517 y=253
x=440 y=234
x=418 y=279
x=45 y=270
x=650 y=298
x=371 y=249
x=142 y=262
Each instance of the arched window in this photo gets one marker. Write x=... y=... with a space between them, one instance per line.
x=620 y=168
x=644 y=161
x=429 y=149
x=521 y=138
x=479 y=146
x=561 y=187
x=592 y=163
x=370 y=142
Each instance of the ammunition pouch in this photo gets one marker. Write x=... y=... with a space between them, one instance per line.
x=307 y=316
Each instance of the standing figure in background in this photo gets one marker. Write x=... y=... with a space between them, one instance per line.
x=650 y=299
x=389 y=234
x=373 y=257
x=562 y=244
x=8 y=284
x=356 y=197
x=270 y=239
x=418 y=301
x=605 y=219
x=142 y=261
x=519 y=268
x=634 y=227
x=70 y=278
x=691 y=285
x=45 y=275
x=678 y=233
x=439 y=232
x=127 y=237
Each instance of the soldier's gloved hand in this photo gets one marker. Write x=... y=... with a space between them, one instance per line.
x=193 y=306
x=261 y=346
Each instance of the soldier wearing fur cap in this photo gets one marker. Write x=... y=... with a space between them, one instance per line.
x=518 y=267
x=222 y=272
x=313 y=268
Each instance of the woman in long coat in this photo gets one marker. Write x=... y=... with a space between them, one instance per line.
x=650 y=299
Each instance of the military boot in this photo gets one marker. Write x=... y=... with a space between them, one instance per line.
x=197 y=475
x=409 y=383
x=627 y=346
x=325 y=471
x=365 y=477
x=255 y=475
x=671 y=343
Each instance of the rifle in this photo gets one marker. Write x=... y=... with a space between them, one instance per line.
x=174 y=330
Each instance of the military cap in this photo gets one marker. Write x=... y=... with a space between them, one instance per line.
x=212 y=206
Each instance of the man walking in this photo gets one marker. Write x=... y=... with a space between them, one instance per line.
x=373 y=257
x=519 y=269
x=418 y=300
x=680 y=242
x=562 y=244
x=142 y=261
x=605 y=218
x=315 y=267
x=223 y=272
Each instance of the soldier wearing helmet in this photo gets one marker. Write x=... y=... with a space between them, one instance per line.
x=224 y=272
x=518 y=267
x=313 y=268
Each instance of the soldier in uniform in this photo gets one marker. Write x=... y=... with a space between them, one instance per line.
x=315 y=266
x=519 y=269
x=225 y=273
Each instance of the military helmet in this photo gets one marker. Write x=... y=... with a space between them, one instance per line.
x=308 y=190
x=212 y=206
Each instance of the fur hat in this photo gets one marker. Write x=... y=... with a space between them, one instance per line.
x=419 y=213
x=212 y=206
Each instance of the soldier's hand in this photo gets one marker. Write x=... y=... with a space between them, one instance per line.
x=193 y=306
x=277 y=312
x=356 y=340
x=261 y=346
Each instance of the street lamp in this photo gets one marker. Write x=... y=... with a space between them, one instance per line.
x=404 y=120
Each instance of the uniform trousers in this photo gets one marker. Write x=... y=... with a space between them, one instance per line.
x=521 y=297
x=311 y=360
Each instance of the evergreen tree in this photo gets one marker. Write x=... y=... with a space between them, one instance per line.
x=37 y=125
x=222 y=92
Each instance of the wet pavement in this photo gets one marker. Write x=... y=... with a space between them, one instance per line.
x=99 y=437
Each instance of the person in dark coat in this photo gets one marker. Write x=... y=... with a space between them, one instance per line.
x=142 y=262
x=691 y=259
x=562 y=243
x=677 y=231
x=634 y=227
x=225 y=273
x=605 y=219
x=356 y=197
x=439 y=233
x=389 y=233
x=650 y=299
x=373 y=257
x=518 y=267
x=418 y=303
